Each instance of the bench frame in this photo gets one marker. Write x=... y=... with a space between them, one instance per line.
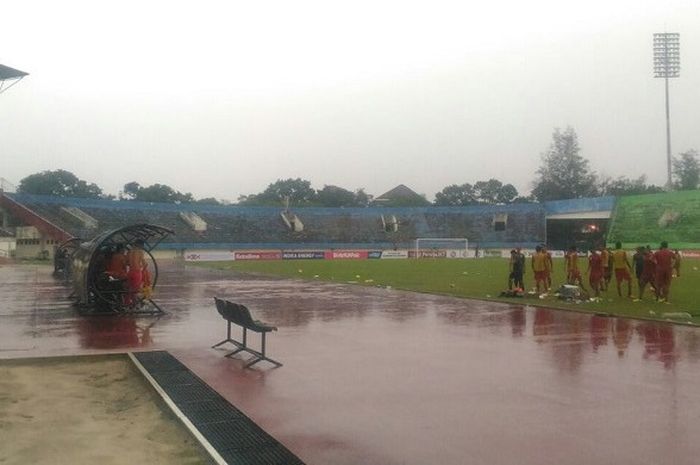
x=239 y=314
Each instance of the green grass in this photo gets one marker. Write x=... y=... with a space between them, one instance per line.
x=636 y=220
x=479 y=279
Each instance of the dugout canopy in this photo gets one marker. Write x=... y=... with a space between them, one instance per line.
x=88 y=262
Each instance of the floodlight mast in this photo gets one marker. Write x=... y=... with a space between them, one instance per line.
x=667 y=64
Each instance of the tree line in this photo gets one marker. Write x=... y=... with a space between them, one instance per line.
x=563 y=174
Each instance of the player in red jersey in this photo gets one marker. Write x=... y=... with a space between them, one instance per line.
x=595 y=271
x=648 y=274
x=664 y=270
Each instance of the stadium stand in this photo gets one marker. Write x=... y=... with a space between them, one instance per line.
x=649 y=219
x=239 y=227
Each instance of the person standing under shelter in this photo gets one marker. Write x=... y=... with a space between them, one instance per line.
x=136 y=259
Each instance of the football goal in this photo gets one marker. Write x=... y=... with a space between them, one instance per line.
x=453 y=247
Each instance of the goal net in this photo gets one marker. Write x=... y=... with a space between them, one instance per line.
x=436 y=247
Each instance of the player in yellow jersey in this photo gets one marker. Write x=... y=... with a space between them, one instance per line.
x=539 y=268
x=549 y=264
x=573 y=274
x=622 y=269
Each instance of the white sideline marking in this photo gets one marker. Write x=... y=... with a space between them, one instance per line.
x=178 y=413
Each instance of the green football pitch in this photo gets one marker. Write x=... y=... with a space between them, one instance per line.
x=481 y=279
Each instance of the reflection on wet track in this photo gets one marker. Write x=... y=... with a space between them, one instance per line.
x=377 y=376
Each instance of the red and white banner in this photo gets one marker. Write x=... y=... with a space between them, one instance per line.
x=346 y=254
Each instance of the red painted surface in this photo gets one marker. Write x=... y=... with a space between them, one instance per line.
x=28 y=217
x=373 y=376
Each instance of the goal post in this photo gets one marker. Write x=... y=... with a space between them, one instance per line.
x=455 y=247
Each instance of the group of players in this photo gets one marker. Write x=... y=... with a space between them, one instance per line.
x=129 y=269
x=650 y=268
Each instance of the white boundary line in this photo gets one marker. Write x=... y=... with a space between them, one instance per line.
x=178 y=413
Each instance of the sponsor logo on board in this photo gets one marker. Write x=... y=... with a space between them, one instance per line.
x=346 y=254
x=258 y=255
x=394 y=254
x=305 y=255
x=209 y=256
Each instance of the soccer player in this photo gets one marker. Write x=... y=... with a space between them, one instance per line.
x=550 y=267
x=117 y=264
x=638 y=263
x=573 y=274
x=622 y=269
x=136 y=259
x=648 y=275
x=539 y=268
x=677 y=263
x=664 y=270
x=595 y=271
x=607 y=268
x=517 y=270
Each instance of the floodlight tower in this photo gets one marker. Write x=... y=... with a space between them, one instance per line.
x=667 y=64
x=11 y=76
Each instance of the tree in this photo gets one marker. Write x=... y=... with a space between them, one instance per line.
x=61 y=183
x=625 y=186
x=456 y=195
x=494 y=191
x=131 y=190
x=334 y=196
x=154 y=193
x=564 y=173
x=208 y=201
x=686 y=170
x=298 y=191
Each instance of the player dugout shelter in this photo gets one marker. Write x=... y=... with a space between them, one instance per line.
x=88 y=262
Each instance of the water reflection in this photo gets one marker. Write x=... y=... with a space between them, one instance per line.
x=517 y=322
x=114 y=332
x=622 y=335
x=659 y=343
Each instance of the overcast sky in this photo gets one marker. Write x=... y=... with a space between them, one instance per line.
x=222 y=98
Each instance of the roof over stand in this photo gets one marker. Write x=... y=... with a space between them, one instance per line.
x=11 y=76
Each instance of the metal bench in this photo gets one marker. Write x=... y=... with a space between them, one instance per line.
x=239 y=315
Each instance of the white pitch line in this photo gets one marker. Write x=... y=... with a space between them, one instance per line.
x=178 y=413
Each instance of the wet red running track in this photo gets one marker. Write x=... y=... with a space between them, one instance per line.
x=374 y=376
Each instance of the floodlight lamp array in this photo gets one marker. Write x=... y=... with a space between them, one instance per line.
x=667 y=55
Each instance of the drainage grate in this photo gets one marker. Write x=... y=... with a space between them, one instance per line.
x=234 y=436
